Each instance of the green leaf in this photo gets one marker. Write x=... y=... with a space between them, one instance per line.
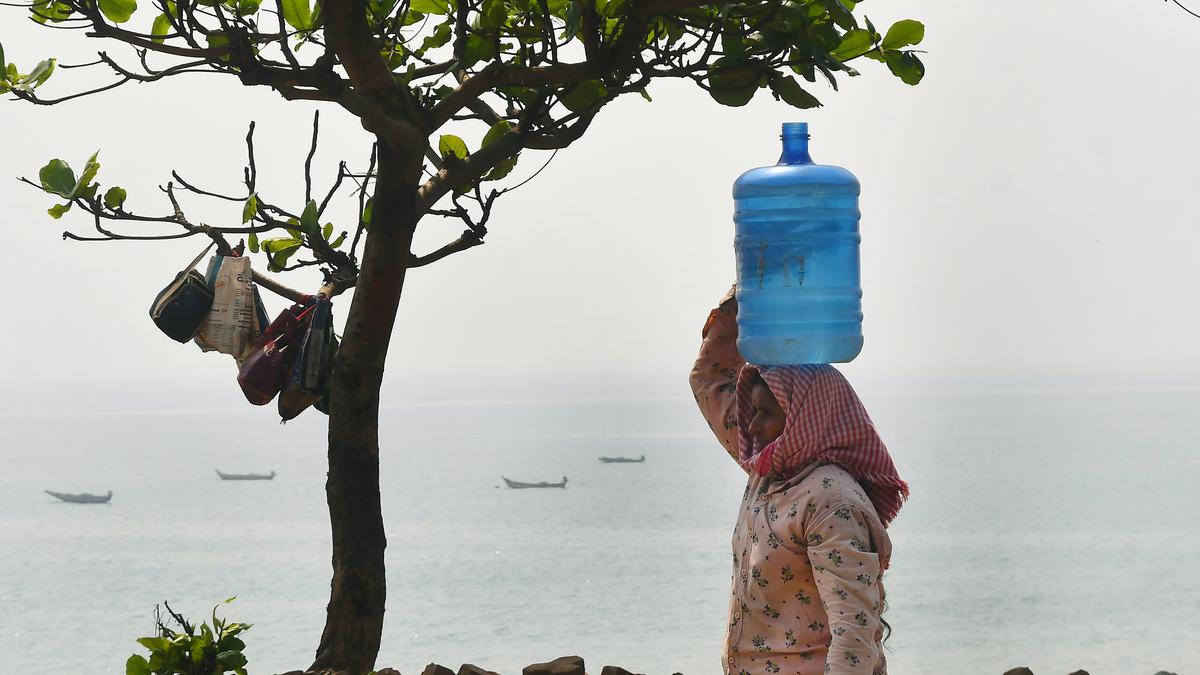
x=248 y=7
x=494 y=134
x=478 y=49
x=161 y=28
x=58 y=210
x=450 y=145
x=308 y=219
x=252 y=242
x=904 y=33
x=115 y=198
x=573 y=19
x=40 y=73
x=840 y=13
x=118 y=11
x=732 y=82
x=732 y=41
x=326 y=231
x=338 y=242
x=297 y=14
x=792 y=93
x=854 y=43
x=366 y=214
x=90 y=169
x=50 y=10
x=440 y=36
x=3 y=64
x=231 y=659
x=502 y=169
x=611 y=9
x=584 y=95
x=250 y=208
x=278 y=251
x=137 y=665
x=430 y=6
x=57 y=177
x=492 y=14
x=906 y=66
x=155 y=644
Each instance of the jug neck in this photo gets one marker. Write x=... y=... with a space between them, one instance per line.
x=795 y=143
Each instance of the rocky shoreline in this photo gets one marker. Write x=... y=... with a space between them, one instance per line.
x=564 y=665
x=1026 y=671
x=573 y=665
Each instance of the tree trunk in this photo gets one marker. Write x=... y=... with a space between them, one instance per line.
x=354 y=619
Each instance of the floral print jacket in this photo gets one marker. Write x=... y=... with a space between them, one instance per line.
x=808 y=552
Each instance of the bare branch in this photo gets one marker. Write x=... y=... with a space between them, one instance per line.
x=1180 y=5
x=308 y=160
x=468 y=239
x=32 y=98
x=207 y=193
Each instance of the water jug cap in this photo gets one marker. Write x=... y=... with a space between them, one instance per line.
x=795 y=130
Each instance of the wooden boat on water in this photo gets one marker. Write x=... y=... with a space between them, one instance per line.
x=623 y=460
x=518 y=485
x=245 y=476
x=81 y=498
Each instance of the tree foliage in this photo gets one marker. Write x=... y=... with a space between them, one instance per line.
x=473 y=84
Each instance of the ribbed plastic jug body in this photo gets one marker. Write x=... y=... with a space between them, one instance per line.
x=798 y=283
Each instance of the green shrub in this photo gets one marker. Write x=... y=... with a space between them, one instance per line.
x=203 y=650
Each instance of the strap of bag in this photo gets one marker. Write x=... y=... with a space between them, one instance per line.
x=200 y=257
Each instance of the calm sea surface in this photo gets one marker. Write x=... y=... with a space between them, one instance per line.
x=1057 y=531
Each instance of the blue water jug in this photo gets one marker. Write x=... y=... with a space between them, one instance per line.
x=799 y=299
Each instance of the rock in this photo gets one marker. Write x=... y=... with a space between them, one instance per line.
x=472 y=669
x=615 y=670
x=1019 y=671
x=435 y=669
x=563 y=665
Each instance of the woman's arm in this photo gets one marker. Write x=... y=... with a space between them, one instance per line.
x=714 y=376
x=847 y=573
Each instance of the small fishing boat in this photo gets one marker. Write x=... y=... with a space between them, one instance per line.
x=81 y=498
x=518 y=485
x=623 y=460
x=245 y=476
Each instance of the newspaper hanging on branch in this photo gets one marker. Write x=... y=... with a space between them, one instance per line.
x=233 y=324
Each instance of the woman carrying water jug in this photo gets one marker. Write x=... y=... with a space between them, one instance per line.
x=809 y=546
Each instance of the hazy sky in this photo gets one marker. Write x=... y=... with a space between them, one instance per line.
x=1029 y=213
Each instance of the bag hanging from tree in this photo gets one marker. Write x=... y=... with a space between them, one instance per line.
x=232 y=326
x=262 y=373
x=307 y=380
x=180 y=308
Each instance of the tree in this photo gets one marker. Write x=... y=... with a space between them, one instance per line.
x=522 y=75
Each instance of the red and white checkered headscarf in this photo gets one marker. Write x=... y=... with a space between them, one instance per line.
x=825 y=423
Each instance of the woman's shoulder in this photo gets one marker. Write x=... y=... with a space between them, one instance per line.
x=830 y=484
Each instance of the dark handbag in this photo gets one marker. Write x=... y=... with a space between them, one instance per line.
x=180 y=308
x=262 y=374
x=308 y=378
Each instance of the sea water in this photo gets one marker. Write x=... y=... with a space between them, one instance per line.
x=1055 y=530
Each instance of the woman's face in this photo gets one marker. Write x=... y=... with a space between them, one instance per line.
x=766 y=423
